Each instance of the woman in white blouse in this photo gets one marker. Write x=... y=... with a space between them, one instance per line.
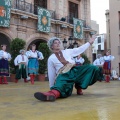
x=4 y=66
x=21 y=62
x=79 y=60
x=33 y=64
x=61 y=84
x=107 y=65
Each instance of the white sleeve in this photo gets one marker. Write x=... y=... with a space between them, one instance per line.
x=40 y=55
x=27 y=54
x=77 y=51
x=16 y=61
x=112 y=57
x=9 y=56
x=26 y=60
x=94 y=63
x=51 y=73
x=1 y=54
x=82 y=61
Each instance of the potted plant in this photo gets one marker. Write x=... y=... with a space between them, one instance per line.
x=15 y=46
x=87 y=61
x=43 y=63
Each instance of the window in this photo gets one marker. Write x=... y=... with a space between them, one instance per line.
x=73 y=11
x=40 y=3
x=99 y=39
x=99 y=47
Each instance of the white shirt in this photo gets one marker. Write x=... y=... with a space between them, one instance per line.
x=80 y=60
x=98 y=62
x=35 y=54
x=109 y=57
x=18 y=60
x=4 y=54
x=54 y=64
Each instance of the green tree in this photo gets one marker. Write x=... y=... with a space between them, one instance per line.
x=46 y=53
x=15 y=46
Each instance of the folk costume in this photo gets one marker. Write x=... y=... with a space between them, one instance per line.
x=21 y=62
x=63 y=73
x=79 y=61
x=4 y=65
x=99 y=63
x=107 y=66
x=33 y=63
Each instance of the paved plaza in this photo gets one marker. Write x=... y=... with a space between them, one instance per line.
x=99 y=102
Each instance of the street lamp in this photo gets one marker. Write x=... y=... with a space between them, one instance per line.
x=65 y=43
x=75 y=44
x=71 y=44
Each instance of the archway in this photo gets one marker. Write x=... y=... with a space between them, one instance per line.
x=37 y=43
x=5 y=40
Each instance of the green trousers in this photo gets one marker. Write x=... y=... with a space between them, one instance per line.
x=83 y=76
x=21 y=72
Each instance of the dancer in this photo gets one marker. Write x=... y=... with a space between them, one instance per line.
x=33 y=63
x=4 y=65
x=79 y=60
x=99 y=63
x=21 y=62
x=107 y=65
x=61 y=63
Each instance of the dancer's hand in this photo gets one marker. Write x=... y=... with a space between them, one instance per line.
x=92 y=39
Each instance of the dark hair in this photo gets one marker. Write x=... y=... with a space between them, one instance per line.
x=32 y=46
x=3 y=45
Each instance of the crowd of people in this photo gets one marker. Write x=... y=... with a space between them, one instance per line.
x=26 y=62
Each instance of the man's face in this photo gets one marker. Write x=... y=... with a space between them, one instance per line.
x=22 y=52
x=56 y=45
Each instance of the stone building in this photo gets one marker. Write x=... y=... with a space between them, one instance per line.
x=24 y=20
x=113 y=32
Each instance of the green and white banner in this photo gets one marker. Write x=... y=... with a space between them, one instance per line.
x=44 y=20
x=5 y=13
x=78 y=28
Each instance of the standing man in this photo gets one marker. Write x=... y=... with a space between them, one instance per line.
x=99 y=63
x=21 y=62
x=61 y=83
x=33 y=63
x=4 y=65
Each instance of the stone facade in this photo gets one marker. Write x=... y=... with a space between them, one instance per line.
x=113 y=32
x=27 y=28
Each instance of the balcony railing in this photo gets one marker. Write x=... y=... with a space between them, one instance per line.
x=28 y=7
x=69 y=19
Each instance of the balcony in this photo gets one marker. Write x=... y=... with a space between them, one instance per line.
x=28 y=7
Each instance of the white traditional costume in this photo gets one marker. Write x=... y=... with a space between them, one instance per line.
x=61 y=84
x=21 y=62
x=4 y=65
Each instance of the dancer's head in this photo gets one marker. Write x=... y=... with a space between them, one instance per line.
x=54 y=44
x=33 y=47
x=99 y=55
x=22 y=51
x=108 y=52
x=3 y=46
x=79 y=56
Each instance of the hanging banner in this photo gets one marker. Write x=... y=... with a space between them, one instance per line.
x=44 y=20
x=78 y=28
x=5 y=13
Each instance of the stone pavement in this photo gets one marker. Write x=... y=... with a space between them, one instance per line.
x=99 y=102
